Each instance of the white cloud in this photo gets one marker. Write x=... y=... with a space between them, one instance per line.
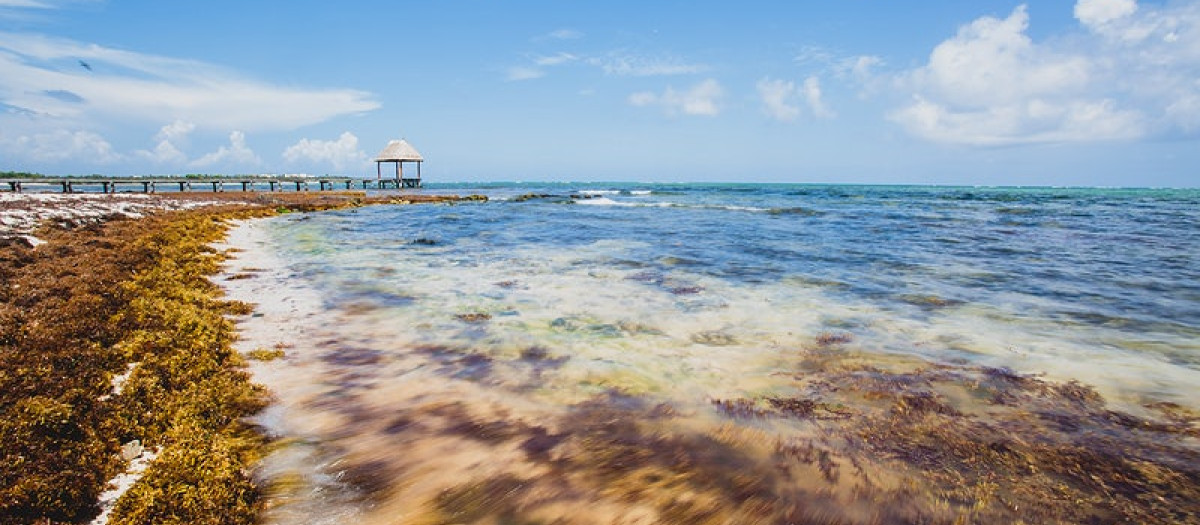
x=1033 y=122
x=537 y=70
x=556 y=59
x=812 y=95
x=991 y=84
x=83 y=146
x=779 y=98
x=169 y=137
x=36 y=71
x=619 y=64
x=25 y=4
x=855 y=67
x=342 y=154
x=236 y=155
x=993 y=61
x=26 y=9
x=176 y=131
x=1097 y=13
x=776 y=96
x=164 y=153
x=701 y=99
x=860 y=68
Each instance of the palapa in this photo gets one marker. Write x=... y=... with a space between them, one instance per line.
x=399 y=152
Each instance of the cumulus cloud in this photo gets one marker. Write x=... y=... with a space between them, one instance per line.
x=176 y=131
x=342 y=154
x=812 y=94
x=168 y=138
x=164 y=153
x=132 y=86
x=1097 y=13
x=701 y=99
x=991 y=84
x=1033 y=122
x=59 y=145
x=860 y=68
x=777 y=96
x=780 y=98
x=237 y=155
x=992 y=61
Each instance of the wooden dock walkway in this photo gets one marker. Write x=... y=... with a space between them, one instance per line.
x=246 y=184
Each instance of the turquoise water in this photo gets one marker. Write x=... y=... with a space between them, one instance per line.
x=551 y=295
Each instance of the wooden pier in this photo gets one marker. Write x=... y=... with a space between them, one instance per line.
x=248 y=184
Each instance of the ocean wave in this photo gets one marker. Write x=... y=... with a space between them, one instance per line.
x=602 y=201
x=605 y=201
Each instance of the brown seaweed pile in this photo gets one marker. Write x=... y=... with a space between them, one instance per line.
x=81 y=310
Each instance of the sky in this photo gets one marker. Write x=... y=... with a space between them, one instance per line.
x=1084 y=93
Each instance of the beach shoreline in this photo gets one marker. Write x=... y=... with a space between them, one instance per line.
x=287 y=318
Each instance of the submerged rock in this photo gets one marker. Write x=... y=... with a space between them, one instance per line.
x=714 y=338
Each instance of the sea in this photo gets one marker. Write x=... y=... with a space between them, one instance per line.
x=710 y=353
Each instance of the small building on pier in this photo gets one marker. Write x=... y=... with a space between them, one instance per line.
x=398 y=152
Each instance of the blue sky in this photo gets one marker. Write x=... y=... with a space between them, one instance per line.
x=1094 y=92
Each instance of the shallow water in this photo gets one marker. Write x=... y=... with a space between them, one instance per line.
x=495 y=362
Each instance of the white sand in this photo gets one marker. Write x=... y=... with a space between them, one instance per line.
x=284 y=307
x=22 y=213
x=121 y=484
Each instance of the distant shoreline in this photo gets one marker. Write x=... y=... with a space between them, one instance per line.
x=519 y=183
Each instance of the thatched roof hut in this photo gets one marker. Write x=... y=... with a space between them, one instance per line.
x=399 y=152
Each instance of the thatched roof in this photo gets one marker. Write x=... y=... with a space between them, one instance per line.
x=399 y=150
